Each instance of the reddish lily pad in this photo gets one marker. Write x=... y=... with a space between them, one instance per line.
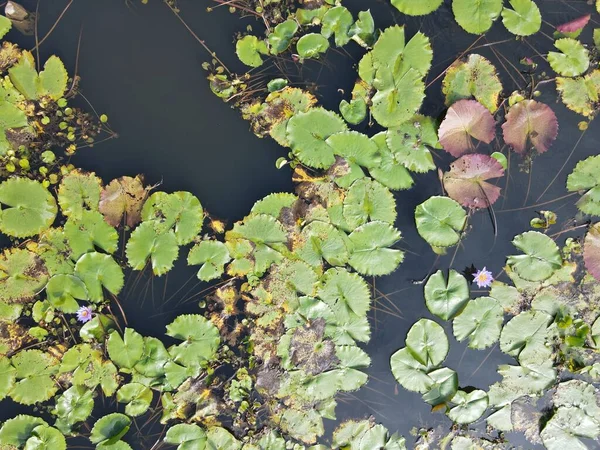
x=575 y=25
x=530 y=123
x=123 y=196
x=465 y=120
x=466 y=181
x=591 y=250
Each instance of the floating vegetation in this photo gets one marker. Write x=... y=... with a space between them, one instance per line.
x=272 y=349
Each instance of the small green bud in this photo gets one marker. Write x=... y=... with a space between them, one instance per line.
x=45 y=183
x=45 y=120
x=43 y=170
x=63 y=125
x=24 y=163
x=62 y=102
x=103 y=118
x=10 y=167
x=48 y=157
x=68 y=111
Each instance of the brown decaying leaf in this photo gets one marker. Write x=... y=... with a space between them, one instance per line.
x=465 y=181
x=591 y=250
x=530 y=123
x=465 y=120
x=123 y=196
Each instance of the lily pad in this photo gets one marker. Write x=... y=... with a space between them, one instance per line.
x=409 y=372
x=368 y=200
x=410 y=143
x=337 y=22
x=445 y=386
x=145 y=243
x=440 y=221
x=125 y=351
x=465 y=120
x=63 y=291
x=541 y=256
x=565 y=428
x=586 y=177
x=280 y=38
x=123 y=198
x=44 y=437
x=322 y=241
x=480 y=322
x=574 y=59
x=186 y=436
x=347 y=294
x=473 y=77
x=22 y=275
x=591 y=251
x=412 y=8
x=530 y=123
x=307 y=133
x=469 y=406
x=427 y=342
x=524 y=19
x=580 y=94
x=391 y=171
x=17 y=430
x=201 y=339
x=34 y=370
x=446 y=297
x=476 y=17
x=213 y=255
x=89 y=233
x=179 y=211
x=27 y=207
x=137 y=398
x=371 y=254
x=311 y=45
x=99 y=271
x=110 y=428
x=466 y=181
x=79 y=191
x=249 y=50
x=73 y=406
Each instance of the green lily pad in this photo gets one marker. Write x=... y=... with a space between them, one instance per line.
x=27 y=207
x=281 y=37
x=73 y=406
x=440 y=221
x=5 y=26
x=445 y=386
x=311 y=45
x=63 y=291
x=186 y=437
x=34 y=370
x=476 y=17
x=201 y=339
x=469 y=406
x=22 y=276
x=368 y=200
x=574 y=59
x=586 y=177
x=412 y=8
x=474 y=77
x=7 y=376
x=213 y=255
x=99 y=271
x=307 y=133
x=337 y=21
x=137 y=398
x=411 y=141
x=44 y=437
x=125 y=351
x=179 y=211
x=580 y=94
x=541 y=256
x=110 y=428
x=398 y=97
x=446 y=297
x=409 y=372
x=322 y=241
x=524 y=19
x=427 y=342
x=355 y=111
x=392 y=172
x=524 y=336
x=16 y=431
x=480 y=322
x=566 y=426
x=371 y=254
x=249 y=50
x=79 y=191
x=90 y=232
x=346 y=293
x=145 y=243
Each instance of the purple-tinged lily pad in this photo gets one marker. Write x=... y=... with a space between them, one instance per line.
x=465 y=120
x=591 y=250
x=530 y=123
x=575 y=25
x=466 y=181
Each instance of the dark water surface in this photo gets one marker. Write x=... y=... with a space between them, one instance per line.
x=140 y=66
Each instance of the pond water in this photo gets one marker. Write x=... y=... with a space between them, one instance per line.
x=141 y=67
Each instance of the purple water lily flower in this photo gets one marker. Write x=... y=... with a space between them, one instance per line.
x=84 y=314
x=483 y=278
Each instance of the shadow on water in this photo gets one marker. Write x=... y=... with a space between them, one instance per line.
x=140 y=66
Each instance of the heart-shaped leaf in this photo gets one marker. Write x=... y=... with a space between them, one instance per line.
x=465 y=120
x=446 y=297
x=530 y=123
